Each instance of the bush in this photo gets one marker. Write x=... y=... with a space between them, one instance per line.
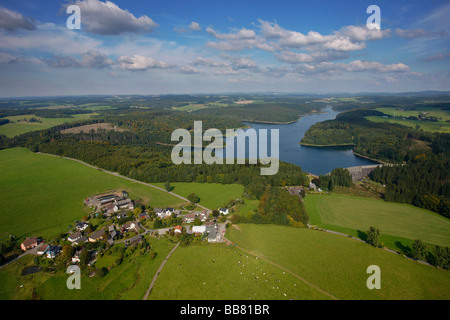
x=373 y=236
x=102 y=272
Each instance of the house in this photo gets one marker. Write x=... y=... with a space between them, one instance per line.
x=198 y=229
x=74 y=236
x=223 y=211
x=189 y=218
x=123 y=204
x=96 y=236
x=29 y=243
x=110 y=208
x=211 y=228
x=42 y=249
x=76 y=257
x=178 y=229
x=83 y=239
x=164 y=213
x=203 y=217
x=106 y=198
x=130 y=225
x=144 y=215
x=81 y=226
x=122 y=215
x=212 y=235
x=53 y=251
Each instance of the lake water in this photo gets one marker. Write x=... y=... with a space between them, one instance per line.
x=315 y=160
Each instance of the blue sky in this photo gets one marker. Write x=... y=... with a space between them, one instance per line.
x=158 y=47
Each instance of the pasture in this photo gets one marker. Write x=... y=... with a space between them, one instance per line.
x=42 y=195
x=397 y=222
x=212 y=195
x=337 y=264
x=220 y=272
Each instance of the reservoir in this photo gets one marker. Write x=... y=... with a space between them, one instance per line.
x=315 y=160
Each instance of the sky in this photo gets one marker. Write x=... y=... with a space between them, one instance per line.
x=186 y=46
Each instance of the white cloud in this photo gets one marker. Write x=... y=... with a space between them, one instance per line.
x=189 y=70
x=107 y=18
x=195 y=26
x=12 y=20
x=140 y=63
x=320 y=56
x=90 y=59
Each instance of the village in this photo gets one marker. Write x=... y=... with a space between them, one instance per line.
x=115 y=219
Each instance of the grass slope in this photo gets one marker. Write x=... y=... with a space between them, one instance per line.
x=396 y=221
x=212 y=195
x=214 y=272
x=338 y=264
x=42 y=195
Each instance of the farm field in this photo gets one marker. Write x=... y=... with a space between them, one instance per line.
x=397 y=222
x=338 y=264
x=212 y=195
x=438 y=126
x=129 y=280
x=18 y=128
x=224 y=272
x=42 y=195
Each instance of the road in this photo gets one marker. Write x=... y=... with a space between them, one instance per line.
x=158 y=271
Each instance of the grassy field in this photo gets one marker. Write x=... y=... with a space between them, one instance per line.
x=220 y=272
x=397 y=222
x=212 y=195
x=42 y=195
x=338 y=264
x=129 y=280
x=17 y=128
x=438 y=126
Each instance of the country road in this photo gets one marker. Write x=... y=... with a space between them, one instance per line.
x=119 y=175
x=158 y=271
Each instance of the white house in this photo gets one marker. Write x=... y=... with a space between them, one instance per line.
x=42 y=249
x=223 y=211
x=198 y=229
x=74 y=236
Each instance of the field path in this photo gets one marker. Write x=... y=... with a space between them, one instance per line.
x=158 y=271
x=288 y=271
x=120 y=176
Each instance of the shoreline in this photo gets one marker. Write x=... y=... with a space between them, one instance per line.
x=365 y=157
x=326 y=145
x=286 y=122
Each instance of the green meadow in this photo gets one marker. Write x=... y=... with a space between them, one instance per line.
x=337 y=264
x=219 y=272
x=212 y=195
x=16 y=128
x=398 y=223
x=42 y=195
x=439 y=126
